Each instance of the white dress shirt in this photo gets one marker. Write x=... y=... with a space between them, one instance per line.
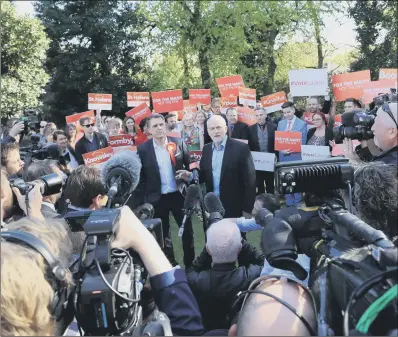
x=168 y=181
x=73 y=162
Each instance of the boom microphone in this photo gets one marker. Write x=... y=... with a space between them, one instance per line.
x=191 y=198
x=213 y=205
x=121 y=174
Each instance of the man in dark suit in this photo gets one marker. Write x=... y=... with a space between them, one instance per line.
x=262 y=139
x=165 y=161
x=91 y=141
x=236 y=129
x=227 y=169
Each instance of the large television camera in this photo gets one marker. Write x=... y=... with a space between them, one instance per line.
x=109 y=282
x=358 y=123
x=353 y=268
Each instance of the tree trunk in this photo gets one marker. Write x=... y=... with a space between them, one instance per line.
x=186 y=69
x=315 y=21
x=269 y=85
x=205 y=74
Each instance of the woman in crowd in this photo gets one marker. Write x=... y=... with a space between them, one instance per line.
x=114 y=126
x=191 y=134
x=200 y=119
x=320 y=134
x=71 y=133
x=48 y=133
x=129 y=126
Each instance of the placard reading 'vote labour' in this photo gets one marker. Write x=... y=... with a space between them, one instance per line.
x=313 y=152
x=229 y=85
x=100 y=101
x=98 y=158
x=137 y=98
x=308 y=82
x=287 y=140
x=263 y=161
x=166 y=101
x=199 y=96
x=139 y=113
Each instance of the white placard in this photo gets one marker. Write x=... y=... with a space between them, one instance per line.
x=313 y=152
x=308 y=82
x=263 y=161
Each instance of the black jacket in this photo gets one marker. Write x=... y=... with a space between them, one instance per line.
x=328 y=135
x=80 y=147
x=215 y=287
x=240 y=131
x=206 y=137
x=150 y=183
x=237 y=180
x=389 y=157
x=253 y=137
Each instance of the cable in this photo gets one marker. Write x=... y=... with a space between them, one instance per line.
x=110 y=287
x=361 y=290
x=375 y=308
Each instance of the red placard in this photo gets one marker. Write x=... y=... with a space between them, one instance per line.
x=247 y=115
x=199 y=96
x=137 y=98
x=374 y=88
x=195 y=156
x=274 y=101
x=74 y=119
x=307 y=117
x=120 y=141
x=287 y=140
x=247 y=96
x=337 y=120
x=139 y=112
x=389 y=74
x=166 y=101
x=229 y=85
x=96 y=158
x=189 y=107
x=349 y=85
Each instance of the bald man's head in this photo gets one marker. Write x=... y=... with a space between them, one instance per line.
x=224 y=241
x=217 y=128
x=313 y=104
x=385 y=127
x=264 y=316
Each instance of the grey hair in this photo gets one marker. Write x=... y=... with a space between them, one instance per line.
x=387 y=119
x=223 y=241
x=41 y=168
x=375 y=195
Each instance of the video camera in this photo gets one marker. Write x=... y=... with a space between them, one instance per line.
x=109 y=282
x=351 y=262
x=357 y=124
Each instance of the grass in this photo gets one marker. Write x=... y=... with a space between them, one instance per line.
x=199 y=237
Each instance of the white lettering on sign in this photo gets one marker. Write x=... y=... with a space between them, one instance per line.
x=98 y=158
x=263 y=161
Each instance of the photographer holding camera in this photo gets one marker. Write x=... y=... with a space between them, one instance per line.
x=11 y=162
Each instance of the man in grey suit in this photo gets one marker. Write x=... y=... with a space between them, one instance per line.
x=292 y=123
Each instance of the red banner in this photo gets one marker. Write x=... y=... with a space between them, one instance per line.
x=74 y=119
x=374 y=88
x=287 y=140
x=166 y=101
x=349 y=85
x=139 y=113
x=247 y=115
x=199 y=96
x=229 y=85
x=274 y=101
x=97 y=158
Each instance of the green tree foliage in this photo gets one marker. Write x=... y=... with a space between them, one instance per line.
x=23 y=51
x=377 y=23
x=94 y=48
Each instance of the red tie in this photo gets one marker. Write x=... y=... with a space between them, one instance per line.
x=288 y=127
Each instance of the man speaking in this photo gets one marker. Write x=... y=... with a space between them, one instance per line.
x=227 y=169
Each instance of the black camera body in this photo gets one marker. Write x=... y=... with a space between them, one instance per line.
x=345 y=252
x=49 y=184
x=109 y=281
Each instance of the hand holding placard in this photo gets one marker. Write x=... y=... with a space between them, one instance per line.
x=288 y=141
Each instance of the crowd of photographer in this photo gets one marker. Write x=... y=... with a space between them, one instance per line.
x=72 y=264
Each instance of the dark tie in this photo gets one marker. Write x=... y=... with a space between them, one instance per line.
x=231 y=129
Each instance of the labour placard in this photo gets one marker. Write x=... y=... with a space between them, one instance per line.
x=229 y=85
x=274 y=101
x=308 y=82
x=100 y=101
x=139 y=112
x=313 y=152
x=166 y=101
x=98 y=158
x=263 y=161
x=199 y=96
x=247 y=96
x=287 y=140
x=138 y=98
x=349 y=85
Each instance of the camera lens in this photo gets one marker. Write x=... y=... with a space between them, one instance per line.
x=289 y=178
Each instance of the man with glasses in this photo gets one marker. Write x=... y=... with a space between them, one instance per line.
x=91 y=141
x=385 y=129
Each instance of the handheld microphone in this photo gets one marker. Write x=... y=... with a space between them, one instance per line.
x=213 y=205
x=191 y=198
x=194 y=167
x=144 y=212
x=121 y=174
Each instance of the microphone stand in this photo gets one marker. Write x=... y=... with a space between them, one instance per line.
x=196 y=180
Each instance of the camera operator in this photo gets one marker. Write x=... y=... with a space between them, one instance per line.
x=85 y=189
x=216 y=280
x=41 y=168
x=11 y=162
x=13 y=130
x=262 y=315
x=170 y=288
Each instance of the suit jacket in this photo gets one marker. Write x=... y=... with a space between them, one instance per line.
x=237 y=180
x=298 y=126
x=240 y=131
x=328 y=135
x=80 y=147
x=150 y=183
x=206 y=137
x=253 y=137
